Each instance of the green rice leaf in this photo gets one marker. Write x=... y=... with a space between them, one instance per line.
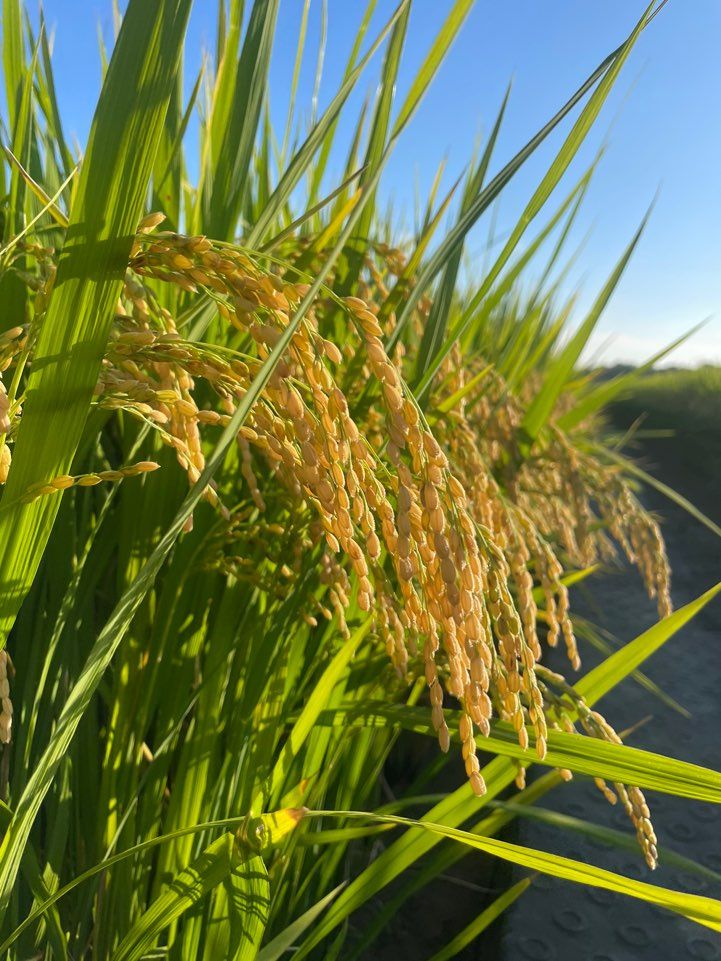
x=48 y=203
x=315 y=704
x=434 y=58
x=454 y=809
x=240 y=913
x=601 y=395
x=109 y=202
x=235 y=129
x=578 y=753
x=319 y=167
x=13 y=57
x=704 y=911
x=49 y=101
x=34 y=876
x=434 y=330
x=609 y=836
x=376 y=151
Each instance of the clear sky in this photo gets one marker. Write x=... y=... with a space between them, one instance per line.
x=661 y=122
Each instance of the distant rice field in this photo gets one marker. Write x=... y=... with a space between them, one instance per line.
x=691 y=398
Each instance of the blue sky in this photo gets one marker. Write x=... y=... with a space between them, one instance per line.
x=661 y=124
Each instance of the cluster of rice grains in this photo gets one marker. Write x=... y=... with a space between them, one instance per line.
x=6 y=706
x=12 y=343
x=452 y=579
x=565 y=706
x=560 y=496
x=445 y=536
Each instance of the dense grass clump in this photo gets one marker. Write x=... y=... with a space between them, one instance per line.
x=277 y=487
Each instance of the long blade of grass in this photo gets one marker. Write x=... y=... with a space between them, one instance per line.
x=381 y=122
x=31 y=869
x=321 y=163
x=609 y=836
x=110 y=195
x=248 y=897
x=442 y=42
x=293 y=91
x=443 y=857
x=601 y=395
x=383 y=133
x=578 y=753
x=49 y=207
x=454 y=809
x=585 y=630
x=702 y=910
x=288 y=231
x=49 y=101
x=230 y=177
x=434 y=330
x=174 y=153
x=315 y=704
x=13 y=57
x=49 y=204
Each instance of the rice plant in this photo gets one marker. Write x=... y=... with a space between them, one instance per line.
x=278 y=486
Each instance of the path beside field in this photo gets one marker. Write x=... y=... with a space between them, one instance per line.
x=554 y=921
